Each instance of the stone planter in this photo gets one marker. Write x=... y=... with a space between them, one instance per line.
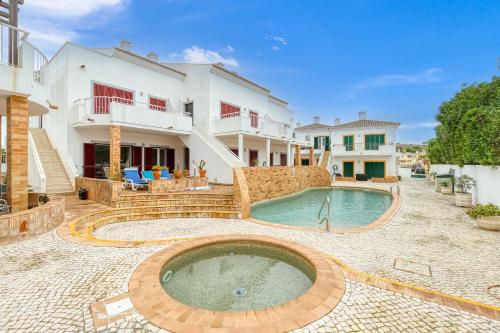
x=446 y=190
x=463 y=199
x=491 y=223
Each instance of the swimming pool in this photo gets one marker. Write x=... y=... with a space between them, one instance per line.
x=349 y=207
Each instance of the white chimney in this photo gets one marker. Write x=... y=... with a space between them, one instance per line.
x=362 y=115
x=316 y=120
x=337 y=121
x=153 y=57
x=125 y=45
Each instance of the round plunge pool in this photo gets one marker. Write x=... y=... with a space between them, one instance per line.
x=235 y=282
x=237 y=276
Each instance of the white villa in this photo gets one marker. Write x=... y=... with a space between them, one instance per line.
x=97 y=111
x=360 y=147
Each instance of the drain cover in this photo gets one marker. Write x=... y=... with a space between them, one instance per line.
x=240 y=292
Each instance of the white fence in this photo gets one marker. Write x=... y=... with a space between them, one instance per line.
x=487 y=189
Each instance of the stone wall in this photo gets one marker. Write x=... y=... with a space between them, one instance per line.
x=181 y=184
x=33 y=222
x=103 y=191
x=264 y=183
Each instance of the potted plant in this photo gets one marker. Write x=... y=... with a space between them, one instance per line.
x=445 y=186
x=156 y=171
x=487 y=216
x=464 y=184
x=177 y=173
x=433 y=175
x=201 y=168
x=185 y=173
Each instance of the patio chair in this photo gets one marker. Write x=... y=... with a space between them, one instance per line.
x=165 y=174
x=4 y=207
x=131 y=177
x=148 y=175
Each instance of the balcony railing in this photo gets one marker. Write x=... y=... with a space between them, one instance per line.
x=251 y=124
x=367 y=148
x=11 y=40
x=102 y=110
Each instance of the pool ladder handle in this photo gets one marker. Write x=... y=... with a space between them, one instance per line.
x=327 y=216
x=394 y=185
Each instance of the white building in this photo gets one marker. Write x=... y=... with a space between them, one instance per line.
x=363 y=146
x=155 y=113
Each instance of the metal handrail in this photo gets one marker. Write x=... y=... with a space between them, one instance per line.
x=327 y=216
x=394 y=185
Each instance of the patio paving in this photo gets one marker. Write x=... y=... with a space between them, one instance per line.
x=48 y=284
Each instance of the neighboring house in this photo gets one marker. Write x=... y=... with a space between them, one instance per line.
x=112 y=109
x=358 y=147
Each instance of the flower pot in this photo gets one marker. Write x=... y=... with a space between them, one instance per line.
x=491 y=223
x=157 y=174
x=185 y=173
x=178 y=174
x=463 y=199
x=446 y=190
x=203 y=173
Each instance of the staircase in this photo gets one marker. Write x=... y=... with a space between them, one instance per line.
x=192 y=204
x=58 y=181
x=325 y=159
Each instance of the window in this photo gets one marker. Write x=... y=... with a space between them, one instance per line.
x=228 y=110
x=373 y=141
x=104 y=95
x=157 y=104
x=349 y=142
x=254 y=119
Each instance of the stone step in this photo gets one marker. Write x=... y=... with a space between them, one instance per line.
x=180 y=201
x=187 y=207
x=161 y=214
x=174 y=195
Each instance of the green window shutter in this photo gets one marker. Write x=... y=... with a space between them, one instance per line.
x=348 y=143
x=372 y=141
x=315 y=142
x=327 y=143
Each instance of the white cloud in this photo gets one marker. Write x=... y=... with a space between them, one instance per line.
x=275 y=48
x=419 y=125
x=51 y=23
x=197 y=55
x=68 y=8
x=278 y=41
x=229 y=49
x=430 y=75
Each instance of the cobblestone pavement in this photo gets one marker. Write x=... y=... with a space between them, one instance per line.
x=428 y=230
x=48 y=284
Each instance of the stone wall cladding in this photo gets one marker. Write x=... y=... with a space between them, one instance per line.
x=102 y=191
x=272 y=182
x=17 y=153
x=33 y=222
x=114 y=151
x=181 y=184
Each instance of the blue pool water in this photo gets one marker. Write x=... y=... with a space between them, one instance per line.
x=349 y=208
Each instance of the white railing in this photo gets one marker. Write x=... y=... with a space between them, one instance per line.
x=230 y=151
x=11 y=40
x=39 y=64
x=37 y=178
x=364 y=148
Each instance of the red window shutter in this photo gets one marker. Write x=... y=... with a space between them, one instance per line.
x=148 y=158
x=157 y=104
x=254 y=119
x=227 y=110
x=89 y=160
x=103 y=95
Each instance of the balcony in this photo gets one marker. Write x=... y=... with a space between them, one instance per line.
x=362 y=149
x=22 y=68
x=105 y=111
x=303 y=139
x=251 y=124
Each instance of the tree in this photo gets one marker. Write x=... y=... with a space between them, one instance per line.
x=469 y=129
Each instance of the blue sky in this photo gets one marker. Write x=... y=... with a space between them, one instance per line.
x=396 y=60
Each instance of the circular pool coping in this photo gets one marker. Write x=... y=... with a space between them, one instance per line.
x=152 y=302
x=379 y=222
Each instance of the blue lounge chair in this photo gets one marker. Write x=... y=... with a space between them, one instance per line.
x=131 y=177
x=165 y=174
x=147 y=175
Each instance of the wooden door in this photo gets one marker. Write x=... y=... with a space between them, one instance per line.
x=170 y=159
x=253 y=156
x=89 y=160
x=348 y=169
x=283 y=159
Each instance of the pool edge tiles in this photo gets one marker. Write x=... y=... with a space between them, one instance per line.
x=382 y=220
x=151 y=301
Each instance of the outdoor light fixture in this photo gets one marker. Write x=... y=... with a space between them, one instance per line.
x=82 y=67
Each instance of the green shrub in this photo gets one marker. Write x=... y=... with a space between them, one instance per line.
x=156 y=168
x=464 y=183
x=444 y=183
x=483 y=210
